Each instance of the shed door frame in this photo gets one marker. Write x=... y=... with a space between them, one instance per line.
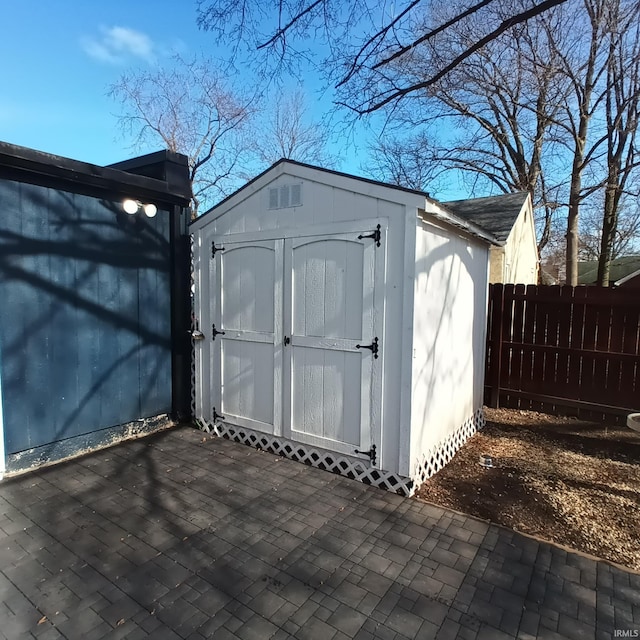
x=205 y=278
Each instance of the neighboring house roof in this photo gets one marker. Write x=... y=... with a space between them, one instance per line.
x=496 y=214
x=619 y=269
x=626 y=281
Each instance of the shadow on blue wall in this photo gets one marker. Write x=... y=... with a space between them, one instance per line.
x=85 y=315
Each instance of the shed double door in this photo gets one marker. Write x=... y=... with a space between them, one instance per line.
x=294 y=318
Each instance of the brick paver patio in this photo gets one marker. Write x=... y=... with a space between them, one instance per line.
x=183 y=536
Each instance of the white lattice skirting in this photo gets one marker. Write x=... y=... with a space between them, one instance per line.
x=436 y=458
x=347 y=466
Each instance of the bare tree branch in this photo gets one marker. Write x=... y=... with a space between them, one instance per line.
x=504 y=26
x=379 y=35
x=187 y=108
x=353 y=69
x=431 y=34
x=281 y=32
x=288 y=132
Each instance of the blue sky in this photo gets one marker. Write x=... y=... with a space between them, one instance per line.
x=59 y=59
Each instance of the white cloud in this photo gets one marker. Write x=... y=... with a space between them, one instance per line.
x=117 y=45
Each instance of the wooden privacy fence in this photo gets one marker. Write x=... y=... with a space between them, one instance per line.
x=550 y=347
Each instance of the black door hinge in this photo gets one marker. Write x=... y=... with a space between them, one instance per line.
x=214 y=249
x=373 y=347
x=371 y=453
x=376 y=235
x=215 y=332
x=216 y=415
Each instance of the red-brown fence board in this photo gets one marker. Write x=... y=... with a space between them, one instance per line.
x=527 y=333
x=565 y=307
x=551 y=347
x=515 y=364
x=630 y=371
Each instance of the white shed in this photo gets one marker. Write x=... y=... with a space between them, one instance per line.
x=341 y=322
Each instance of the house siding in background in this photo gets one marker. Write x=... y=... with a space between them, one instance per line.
x=510 y=219
x=520 y=252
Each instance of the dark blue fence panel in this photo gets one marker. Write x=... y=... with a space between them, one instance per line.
x=85 y=315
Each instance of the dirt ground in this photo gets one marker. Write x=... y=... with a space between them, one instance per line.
x=562 y=479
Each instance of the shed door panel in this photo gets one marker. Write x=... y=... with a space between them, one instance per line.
x=245 y=364
x=326 y=400
x=329 y=287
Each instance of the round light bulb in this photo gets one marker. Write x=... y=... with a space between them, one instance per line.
x=130 y=206
x=150 y=210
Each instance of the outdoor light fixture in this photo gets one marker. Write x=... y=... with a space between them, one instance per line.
x=150 y=210
x=132 y=207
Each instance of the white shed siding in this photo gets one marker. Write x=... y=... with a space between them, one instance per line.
x=449 y=322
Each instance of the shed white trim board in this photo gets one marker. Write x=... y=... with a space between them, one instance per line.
x=344 y=323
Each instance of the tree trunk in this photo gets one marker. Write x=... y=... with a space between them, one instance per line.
x=573 y=214
x=572 y=240
x=609 y=227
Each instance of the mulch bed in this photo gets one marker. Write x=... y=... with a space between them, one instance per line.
x=570 y=481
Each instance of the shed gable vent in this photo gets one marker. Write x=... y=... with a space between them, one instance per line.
x=296 y=195
x=286 y=195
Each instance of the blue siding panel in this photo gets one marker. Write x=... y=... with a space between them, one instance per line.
x=154 y=377
x=85 y=315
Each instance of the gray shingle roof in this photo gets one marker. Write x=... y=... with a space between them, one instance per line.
x=496 y=214
x=619 y=268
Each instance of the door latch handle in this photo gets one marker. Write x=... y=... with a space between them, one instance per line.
x=286 y=341
x=373 y=347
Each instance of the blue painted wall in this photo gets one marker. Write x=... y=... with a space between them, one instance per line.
x=85 y=315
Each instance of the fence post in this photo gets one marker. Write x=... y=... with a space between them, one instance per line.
x=496 y=292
